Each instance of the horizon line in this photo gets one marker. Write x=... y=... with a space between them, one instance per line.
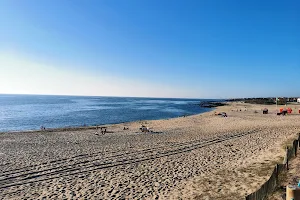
x=71 y=95
x=78 y=95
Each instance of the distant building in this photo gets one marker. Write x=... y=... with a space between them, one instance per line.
x=298 y=100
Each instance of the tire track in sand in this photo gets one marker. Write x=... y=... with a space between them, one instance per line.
x=31 y=175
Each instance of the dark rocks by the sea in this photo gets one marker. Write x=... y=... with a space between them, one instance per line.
x=210 y=104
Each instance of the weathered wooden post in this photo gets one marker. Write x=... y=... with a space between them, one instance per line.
x=295 y=144
x=277 y=173
x=286 y=159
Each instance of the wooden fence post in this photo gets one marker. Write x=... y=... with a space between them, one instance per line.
x=287 y=158
x=295 y=146
x=277 y=173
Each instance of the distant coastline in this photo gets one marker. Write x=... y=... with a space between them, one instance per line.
x=266 y=100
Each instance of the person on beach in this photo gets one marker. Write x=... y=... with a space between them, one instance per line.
x=96 y=133
x=103 y=131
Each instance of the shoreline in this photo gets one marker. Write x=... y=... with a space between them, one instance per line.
x=89 y=127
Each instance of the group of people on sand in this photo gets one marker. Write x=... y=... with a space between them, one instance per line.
x=103 y=130
x=145 y=129
x=224 y=114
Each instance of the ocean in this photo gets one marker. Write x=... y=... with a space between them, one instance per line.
x=30 y=112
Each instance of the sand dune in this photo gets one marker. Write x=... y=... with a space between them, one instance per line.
x=195 y=157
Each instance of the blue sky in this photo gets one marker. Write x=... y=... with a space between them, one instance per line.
x=201 y=49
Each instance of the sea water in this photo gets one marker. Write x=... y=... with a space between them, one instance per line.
x=30 y=112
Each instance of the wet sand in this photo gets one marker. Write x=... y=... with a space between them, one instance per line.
x=196 y=157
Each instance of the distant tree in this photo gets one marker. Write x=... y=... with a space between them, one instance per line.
x=281 y=101
x=266 y=101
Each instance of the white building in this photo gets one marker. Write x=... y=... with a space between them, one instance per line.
x=298 y=100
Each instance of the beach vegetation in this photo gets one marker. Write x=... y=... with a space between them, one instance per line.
x=265 y=101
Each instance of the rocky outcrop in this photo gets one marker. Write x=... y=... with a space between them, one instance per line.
x=211 y=104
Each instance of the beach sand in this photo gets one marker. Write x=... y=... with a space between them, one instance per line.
x=195 y=157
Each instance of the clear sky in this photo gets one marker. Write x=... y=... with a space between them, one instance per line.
x=156 y=48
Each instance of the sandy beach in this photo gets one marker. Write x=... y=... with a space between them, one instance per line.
x=195 y=157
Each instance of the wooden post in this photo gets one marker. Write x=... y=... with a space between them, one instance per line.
x=277 y=173
x=287 y=158
x=295 y=147
x=299 y=140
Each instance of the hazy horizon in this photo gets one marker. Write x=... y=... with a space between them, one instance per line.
x=3 y=94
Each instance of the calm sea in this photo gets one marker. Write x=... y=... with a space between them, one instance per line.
x=29 y=112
